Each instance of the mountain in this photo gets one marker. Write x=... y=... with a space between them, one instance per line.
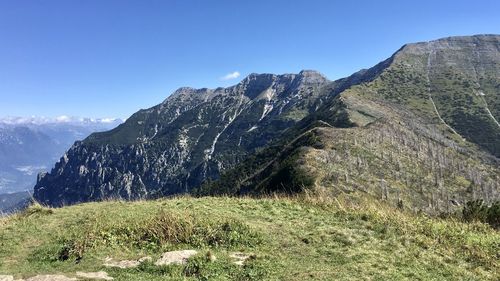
x=190 y=137
x=412 y=139
x=420 y=128
x=31 y=145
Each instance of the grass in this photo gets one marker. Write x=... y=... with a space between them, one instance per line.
x=290 y=239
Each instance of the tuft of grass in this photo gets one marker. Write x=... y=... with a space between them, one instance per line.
x=36 y=209
x=167 y=227
x=162 y=230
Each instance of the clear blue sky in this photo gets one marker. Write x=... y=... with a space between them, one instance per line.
x=104 y=58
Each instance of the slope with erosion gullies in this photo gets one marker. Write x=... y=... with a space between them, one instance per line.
x=190 y=137
x=399 y=149
x=455 y=81
x=398 y=158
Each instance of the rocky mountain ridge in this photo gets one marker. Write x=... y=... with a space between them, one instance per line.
x=197 y=134
x=191 y=136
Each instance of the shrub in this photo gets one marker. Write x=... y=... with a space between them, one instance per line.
x=493 y=217
x=478 y=211
x=474 y=211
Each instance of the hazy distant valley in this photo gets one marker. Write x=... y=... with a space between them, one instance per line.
x=32 y=145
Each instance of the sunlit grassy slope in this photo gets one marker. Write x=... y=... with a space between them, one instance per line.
x=289 y=239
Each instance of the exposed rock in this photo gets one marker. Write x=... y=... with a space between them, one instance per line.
x=175 y=257
x=100 y=275
x=145 y=259
x=240 y=257
x=122 y=264
x=6 y=278
x=50 y=278
x=110 y=262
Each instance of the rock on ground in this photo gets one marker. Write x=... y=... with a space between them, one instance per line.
x=175 y=257
x=38 y=278
x=49 y=278
x=109 y=262
x=6 y=278
x=101 y=275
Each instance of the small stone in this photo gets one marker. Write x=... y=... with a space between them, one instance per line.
x=239 y=262
x=175 y=257
x=101 y=275
x=109 y=262
x=50 y=278
x=6 y=278
x=144 y=259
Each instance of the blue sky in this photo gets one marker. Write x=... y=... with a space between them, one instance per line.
x=104 y=58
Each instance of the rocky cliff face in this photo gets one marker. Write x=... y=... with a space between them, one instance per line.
x=190 y=137
x=447 y=89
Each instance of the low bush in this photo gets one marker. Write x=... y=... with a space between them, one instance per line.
x=478 y=211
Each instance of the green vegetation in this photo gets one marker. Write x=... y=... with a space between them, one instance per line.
x=478 y=211
x=287 y=238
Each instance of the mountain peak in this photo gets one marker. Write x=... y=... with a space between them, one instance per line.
x=313 y=76
x=485 y=42
x=259 y=80
x=258 y=76
x=310 y=72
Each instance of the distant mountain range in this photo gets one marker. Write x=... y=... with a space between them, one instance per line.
x=29 y=145
x=420 y=128
x=63 y=119
x=12 y=202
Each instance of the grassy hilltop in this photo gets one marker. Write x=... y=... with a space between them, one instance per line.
x=285 y=238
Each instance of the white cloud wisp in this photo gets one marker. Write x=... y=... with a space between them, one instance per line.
x=230 y=76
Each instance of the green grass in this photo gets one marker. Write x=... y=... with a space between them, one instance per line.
x=291 y=239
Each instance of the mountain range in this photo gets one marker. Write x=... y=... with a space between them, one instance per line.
x=419 y=129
